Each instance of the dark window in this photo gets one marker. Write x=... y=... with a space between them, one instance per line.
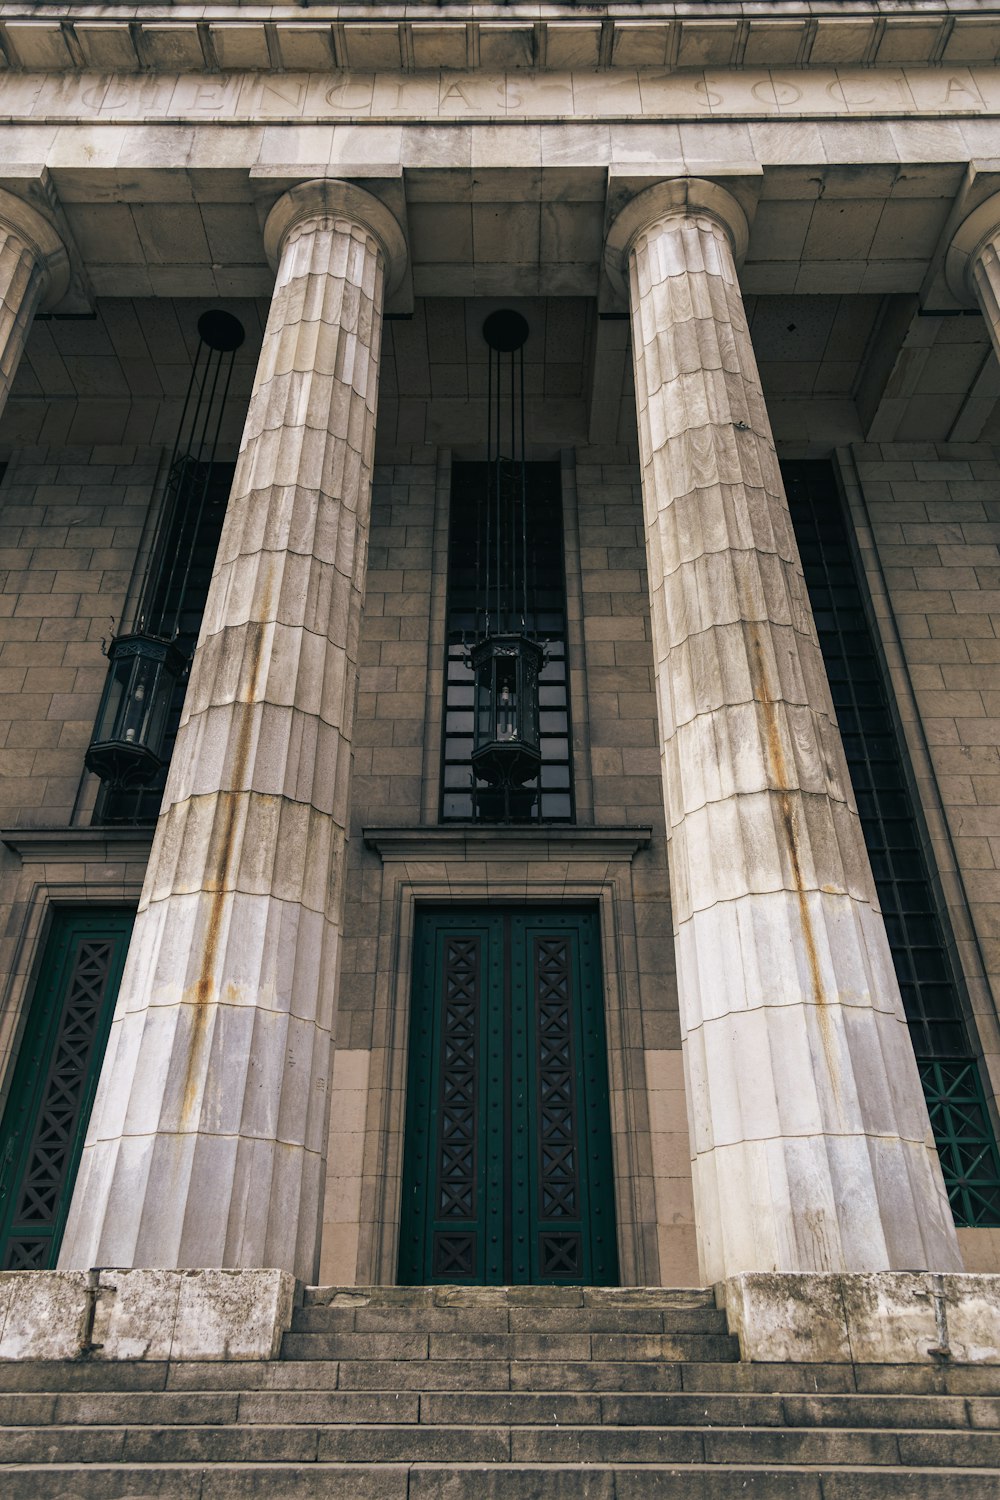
x=180 y=595
x=548 y=798
x=875 y=757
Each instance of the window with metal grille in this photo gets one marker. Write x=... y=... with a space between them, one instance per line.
x=182 y=593
x=948 y=1064
x=549 y=797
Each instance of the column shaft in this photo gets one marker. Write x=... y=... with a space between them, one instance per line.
x=810 y=1138
x=207 y=1141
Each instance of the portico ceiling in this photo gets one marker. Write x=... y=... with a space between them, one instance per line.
x=516 y=231
x=841 y=270
x=834 y=367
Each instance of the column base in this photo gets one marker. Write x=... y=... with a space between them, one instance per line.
x=144 y=1314
x=884 y=1317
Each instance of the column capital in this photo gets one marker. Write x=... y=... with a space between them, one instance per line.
x=332 y=198
x=674 y=197
x=36 y=233
x=967 y=243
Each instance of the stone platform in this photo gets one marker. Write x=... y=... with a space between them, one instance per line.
x=911 y=1318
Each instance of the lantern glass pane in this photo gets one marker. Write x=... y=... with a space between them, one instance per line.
x=134 y=719
x=114 y=692
x=506 y=698
x=529 y=711
x=484 y=703
x=162 y=691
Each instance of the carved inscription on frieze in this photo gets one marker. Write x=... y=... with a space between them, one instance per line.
x=624 y=94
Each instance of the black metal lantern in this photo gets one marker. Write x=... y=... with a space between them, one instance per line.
x=128 y=747
x=506 y=661
x=506 y=751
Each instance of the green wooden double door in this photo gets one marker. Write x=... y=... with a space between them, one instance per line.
x=507 y=1175
x=55 y=1078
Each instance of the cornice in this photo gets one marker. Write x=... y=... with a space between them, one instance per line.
x=355 y=36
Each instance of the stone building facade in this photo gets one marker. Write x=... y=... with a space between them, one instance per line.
x=738 y=235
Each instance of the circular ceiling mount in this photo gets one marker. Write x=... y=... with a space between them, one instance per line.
x=220 y=331
x=505 y=330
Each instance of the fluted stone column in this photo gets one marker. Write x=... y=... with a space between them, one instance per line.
x=206 y=1146
x=34 y=268
x=972 y=265
x=810 y=1139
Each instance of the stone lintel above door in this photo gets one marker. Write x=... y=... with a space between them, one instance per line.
x=478 y=842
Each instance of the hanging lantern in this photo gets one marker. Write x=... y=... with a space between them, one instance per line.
x=126 y=749
x=506 y=661
x=505 y=749
x=128 y=746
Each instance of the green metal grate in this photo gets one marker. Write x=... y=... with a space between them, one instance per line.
x=928 y=984
x=960 y=1120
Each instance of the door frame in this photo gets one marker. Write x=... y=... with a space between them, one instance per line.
x=544 y=867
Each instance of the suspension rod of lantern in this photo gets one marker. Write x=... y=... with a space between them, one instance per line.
x=524 y=506
x=223 y=340
x=506 y=753
x=183 y=487
x=489 y=496
x=498 y=492
x=156 y=560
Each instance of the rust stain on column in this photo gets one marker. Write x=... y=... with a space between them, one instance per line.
x=779 y=772
x=228 y=804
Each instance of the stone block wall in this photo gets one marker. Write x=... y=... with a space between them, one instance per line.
x=619 y=699
x=386 y=784
x=386 y=788
x=71 y=520
x=927 y=518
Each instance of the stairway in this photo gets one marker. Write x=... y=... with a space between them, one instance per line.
x=523 y=1393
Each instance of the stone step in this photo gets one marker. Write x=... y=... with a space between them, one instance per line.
x=443 y=1374
x=388 y=1443
x=715 y=1348
x=629 y=1298
x=195 y=1408
x=889 y=1380
x=624 y=1376
x=330 y=1481
x=600 y=1376
x=491 y=1408
x=494 y=1320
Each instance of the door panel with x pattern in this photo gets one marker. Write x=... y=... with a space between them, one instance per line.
x=55 y=1076
x=507 y=1169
